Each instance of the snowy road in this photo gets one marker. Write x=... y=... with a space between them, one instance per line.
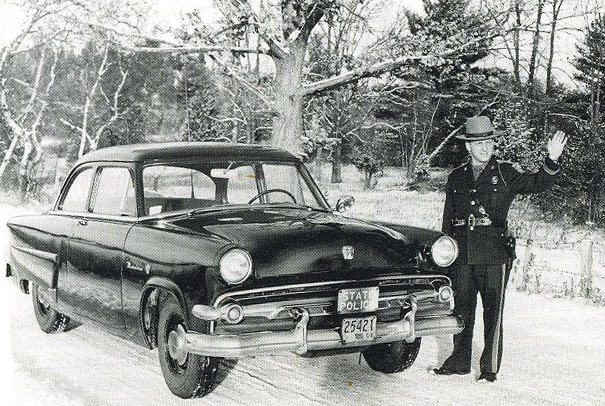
x=554 y=355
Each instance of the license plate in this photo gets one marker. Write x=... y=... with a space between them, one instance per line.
x=358 y=300
x=358 y=329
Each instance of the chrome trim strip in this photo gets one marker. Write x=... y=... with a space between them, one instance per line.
x=94 y=216
x=227 y=295
x=47 y=256
x=318 y=306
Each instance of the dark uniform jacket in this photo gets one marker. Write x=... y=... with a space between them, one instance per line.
x=475 y=212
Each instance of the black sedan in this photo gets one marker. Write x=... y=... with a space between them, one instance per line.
x=212 y=250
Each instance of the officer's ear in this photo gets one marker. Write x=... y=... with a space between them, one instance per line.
x=468 y=146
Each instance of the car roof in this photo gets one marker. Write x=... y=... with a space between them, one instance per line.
x=186 y=150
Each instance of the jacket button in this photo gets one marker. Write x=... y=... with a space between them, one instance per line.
x=472 y=202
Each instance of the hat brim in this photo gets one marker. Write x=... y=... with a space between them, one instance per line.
x=466 y=137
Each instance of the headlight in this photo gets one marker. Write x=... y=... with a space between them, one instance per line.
x=235 y=266
x=444 y=251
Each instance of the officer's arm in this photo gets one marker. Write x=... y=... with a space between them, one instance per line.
x=522 y=182
x=448 y=210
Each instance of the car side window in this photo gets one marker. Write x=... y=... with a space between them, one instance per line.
x=169 y=188
x=77 y=194
x=114 y=192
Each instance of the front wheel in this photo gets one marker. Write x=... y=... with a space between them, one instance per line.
x=187 y=375
x=50 y=320
x=392 y=357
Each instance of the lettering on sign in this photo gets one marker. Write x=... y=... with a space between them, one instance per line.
x=358 y=300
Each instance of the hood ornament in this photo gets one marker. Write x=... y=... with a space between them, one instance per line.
x=348 y=252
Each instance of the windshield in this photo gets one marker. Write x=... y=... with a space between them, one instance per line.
x=187 y=186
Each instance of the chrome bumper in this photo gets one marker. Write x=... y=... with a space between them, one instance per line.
x=301 y=340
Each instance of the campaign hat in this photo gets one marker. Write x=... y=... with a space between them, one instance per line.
x=478 y=128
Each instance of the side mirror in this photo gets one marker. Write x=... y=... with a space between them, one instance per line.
x=344 y=203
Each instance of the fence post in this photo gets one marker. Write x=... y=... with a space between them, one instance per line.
x=528 y=261
x=586 y=268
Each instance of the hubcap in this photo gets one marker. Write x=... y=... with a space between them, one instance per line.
x=176 y=345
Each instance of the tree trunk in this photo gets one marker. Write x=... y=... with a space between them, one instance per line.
x=337 y=164
x=16 y=129
x=536 y=42
x=288 y=122
x=318 y=165
x=556 y=7
x=517 y=44
x=23 y=165
x=367 y=180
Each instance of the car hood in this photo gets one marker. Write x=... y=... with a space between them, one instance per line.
x=286 y=241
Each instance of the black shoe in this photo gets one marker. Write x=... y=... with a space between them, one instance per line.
x=446 y=371
x=487 y=377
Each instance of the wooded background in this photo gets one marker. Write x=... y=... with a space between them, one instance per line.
x=361 y=82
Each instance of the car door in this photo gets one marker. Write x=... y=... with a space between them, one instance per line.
x=39 y=243
x=92 y=285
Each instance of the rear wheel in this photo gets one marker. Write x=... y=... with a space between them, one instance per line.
x=392 y=357
x=187 y=375
x=50 y=320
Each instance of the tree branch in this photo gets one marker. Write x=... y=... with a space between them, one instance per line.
x=70 y=125
x=276 y=48
x=314 y=16
x=381 y=67
x=229 y=71
x=172 y=46
x=193 y=49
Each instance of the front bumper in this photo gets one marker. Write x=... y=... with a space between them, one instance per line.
x=424 y=315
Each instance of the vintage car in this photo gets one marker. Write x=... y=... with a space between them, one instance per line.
x=212 y=250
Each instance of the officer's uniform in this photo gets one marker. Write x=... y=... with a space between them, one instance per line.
x=475 y=216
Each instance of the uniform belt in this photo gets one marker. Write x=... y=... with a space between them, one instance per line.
x=472 y=222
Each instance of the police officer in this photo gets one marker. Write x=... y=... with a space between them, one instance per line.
x=478 y=197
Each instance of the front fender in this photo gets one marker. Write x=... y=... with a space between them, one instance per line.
x=165 y=285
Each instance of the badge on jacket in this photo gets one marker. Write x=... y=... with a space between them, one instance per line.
x=495 y=180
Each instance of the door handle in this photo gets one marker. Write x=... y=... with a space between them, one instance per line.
x=83 y=222
x=133 y=267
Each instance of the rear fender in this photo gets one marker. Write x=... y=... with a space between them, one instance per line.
x=31 y=265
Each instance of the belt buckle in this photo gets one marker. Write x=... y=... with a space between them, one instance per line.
x=471 y=222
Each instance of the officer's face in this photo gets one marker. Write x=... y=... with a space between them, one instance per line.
x=480 y=151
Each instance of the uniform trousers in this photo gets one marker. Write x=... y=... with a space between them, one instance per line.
x=490 y=281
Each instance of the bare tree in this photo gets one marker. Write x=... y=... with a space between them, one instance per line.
x=47 y=23
x=24 y=122
x=101 y=107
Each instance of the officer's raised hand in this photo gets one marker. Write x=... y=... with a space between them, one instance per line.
x=556 y=144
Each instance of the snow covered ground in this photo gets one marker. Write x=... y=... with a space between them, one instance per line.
x=554 y=354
